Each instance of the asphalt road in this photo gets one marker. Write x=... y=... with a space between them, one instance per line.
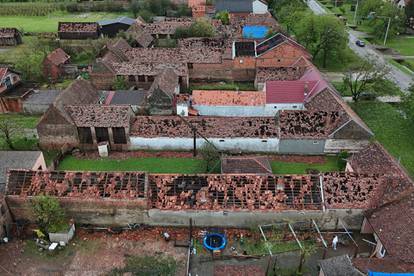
x=400 y=78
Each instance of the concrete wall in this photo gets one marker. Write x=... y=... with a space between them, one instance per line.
x=338 y=145
x=230 y=144
x=268 y=110
x=302 y=146
x=121 y=212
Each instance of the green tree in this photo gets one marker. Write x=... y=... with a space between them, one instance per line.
x=363 y=78
x=224 y=17
x=134 y=7
x=8 y=131
x=49 y=214
x=408 y=103
x=324 y=36
x=201 y=28
x=120 y=83
x=210 y=155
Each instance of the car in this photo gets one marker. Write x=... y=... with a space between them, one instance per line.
x=360 y=43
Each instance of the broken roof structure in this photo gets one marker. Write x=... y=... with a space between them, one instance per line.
x=245 y=164
x=58 y=57
x=228 y=98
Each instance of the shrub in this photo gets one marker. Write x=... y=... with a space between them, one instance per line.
x=119 y=83
x=201 y=28
x=50 y=216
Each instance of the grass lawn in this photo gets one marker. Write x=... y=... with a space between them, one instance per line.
x=403 y=44
x=402 y=66
x=332 y=164
x=22 y=122
x=151 y=164
x=49 y=23
x=391 y=129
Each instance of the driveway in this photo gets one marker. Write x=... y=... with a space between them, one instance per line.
x=400 y=78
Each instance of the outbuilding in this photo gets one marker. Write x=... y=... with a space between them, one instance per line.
x=111 y=27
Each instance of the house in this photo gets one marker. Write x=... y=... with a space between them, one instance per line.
x=139 y=36
x=38 y=101
x=242 y=7
x=162 y=93
x=53 y=64
x=31 y=160
x=10 y=37
x=56 y=128
x=338 y=266
x=245 y=165
x=111 y=27
x=8 y=79
x=78 y=30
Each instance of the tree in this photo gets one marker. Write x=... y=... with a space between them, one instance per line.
x=134 y=7
x=201 y=28
x=224 y=17
x=408 y=103
x=306 y=251
x=119 y=83
x=210 y=155
x=49 y=214
x=361 y=78
x=324 y=36
x=8 y=131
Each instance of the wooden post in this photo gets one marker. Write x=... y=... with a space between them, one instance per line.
x=195 y=142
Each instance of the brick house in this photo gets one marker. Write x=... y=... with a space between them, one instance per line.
x=10 y=37
x=53 y=64
x=78 y=30
x=56 y=128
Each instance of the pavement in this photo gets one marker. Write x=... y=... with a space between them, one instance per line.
x=400 y=78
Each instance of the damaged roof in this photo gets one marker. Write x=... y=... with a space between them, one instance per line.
x=84 y=27
x=396 y=234
x=287 y=91
x=8 y=32
x=58 y=57
x=264 y=74
x=100 y=115
x=338 y=266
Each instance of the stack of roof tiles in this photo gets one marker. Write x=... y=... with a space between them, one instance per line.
x=8 y=32
x=84 y=27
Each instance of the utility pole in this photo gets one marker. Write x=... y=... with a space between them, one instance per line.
x=388 y=28
x=356 y=11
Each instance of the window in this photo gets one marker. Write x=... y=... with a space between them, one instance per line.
x=141 y=78
x=190 y=66
x=102 y=134
x=119 y=135
x=275 y=107
x=295 y=106
x=7 y=82
x=85 y=135
x=382 y=251
x=221 y=140
x=131 y=78
x=264 y=141
x=315 y=142
x=150 y=78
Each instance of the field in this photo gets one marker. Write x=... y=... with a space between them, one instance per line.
x=49 y=23
x=181 y=165
x=391 y=129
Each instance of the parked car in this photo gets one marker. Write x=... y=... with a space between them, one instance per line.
x=360 y=43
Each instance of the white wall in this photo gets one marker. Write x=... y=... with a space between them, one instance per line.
x=233 y=144
x=182 y=109
x=259 y=7
x=268 y=110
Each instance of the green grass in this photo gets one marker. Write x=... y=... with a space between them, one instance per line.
x=12 y=53
x=151 y=164
x=243 y=86
x=403 y=67
x=391 y=129
x=331 y=164
x=22 y=121
x=403 y=44
x=49 y=23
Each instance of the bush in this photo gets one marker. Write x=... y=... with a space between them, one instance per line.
x=342 y=159
x=50 y=216
x=201 y=28
x=119 y=83
x=210 y=155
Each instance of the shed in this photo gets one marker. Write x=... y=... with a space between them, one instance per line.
x=110 y=27
x=78 y=30
x=135 y=98
x=53 y=64
x=10 y=37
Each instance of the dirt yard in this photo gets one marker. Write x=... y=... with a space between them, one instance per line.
x=88 y=254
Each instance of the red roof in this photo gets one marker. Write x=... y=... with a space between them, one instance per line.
x=313 y=74
x=287 y=91
x=58 y=57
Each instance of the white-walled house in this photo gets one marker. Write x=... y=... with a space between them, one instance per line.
x=242 y=6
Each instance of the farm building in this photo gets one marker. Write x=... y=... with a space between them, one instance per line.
x=242 y=6
x=78 y=30
x=38 y=101
x=111 y=27
x=10 y=37
x=53 y=64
